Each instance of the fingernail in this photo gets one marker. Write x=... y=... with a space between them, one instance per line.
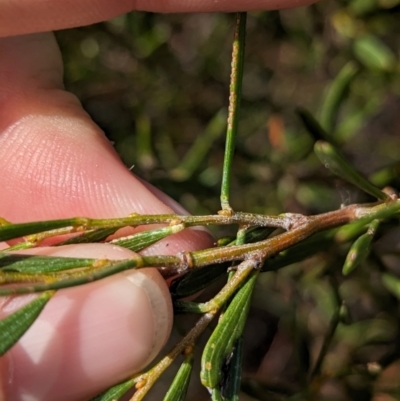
x=90 y=337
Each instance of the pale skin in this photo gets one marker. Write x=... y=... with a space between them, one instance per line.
x=55 y=162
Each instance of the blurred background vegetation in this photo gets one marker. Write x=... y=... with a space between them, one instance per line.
x=158 y=86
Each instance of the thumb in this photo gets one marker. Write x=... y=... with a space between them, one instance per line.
x=87 y=338
x=54 y=161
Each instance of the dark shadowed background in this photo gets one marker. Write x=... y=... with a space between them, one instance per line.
x=158 y=86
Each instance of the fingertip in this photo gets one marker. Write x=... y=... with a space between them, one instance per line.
x=160 y=306
x=90 y=337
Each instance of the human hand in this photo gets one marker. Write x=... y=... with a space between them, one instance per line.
x=56 y=163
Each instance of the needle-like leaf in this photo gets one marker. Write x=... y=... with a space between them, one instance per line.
x=41 y=264
x=116 y=392
x=15 y=325
x=360 y=249
x=179 y=386
x=335 y=96
x=337 y=164
x=228 y=330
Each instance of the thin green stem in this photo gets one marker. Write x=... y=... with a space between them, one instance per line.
x=301 y=227
x=149 y=378
x=43 y=229
x=242 y=272
x=326 y=344
x=235 y=92
x=285 y=221
x=335 y=320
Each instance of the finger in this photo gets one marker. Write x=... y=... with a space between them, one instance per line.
x=55 y=162
x=27 y=16
x=90 y=337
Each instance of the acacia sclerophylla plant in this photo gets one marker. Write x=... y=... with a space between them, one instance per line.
x=257 y=242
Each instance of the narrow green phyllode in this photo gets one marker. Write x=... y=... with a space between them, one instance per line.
x=142 y=240
x=231 y=389
x=41 y=264
x=338 y=165
x=180 y=384
x=360 y=249
x=335 y=96
x=312 y=126
x=116 y=392
x=392 y=284
x=374 y=53
x=228 y=330
x=235 y=93
x=15 y=325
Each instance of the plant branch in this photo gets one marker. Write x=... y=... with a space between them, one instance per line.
x=235 y=94
x=145 y=381
x=300 y=227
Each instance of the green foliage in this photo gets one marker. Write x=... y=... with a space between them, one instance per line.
x=179 y=387
x=15 y=325
x=316 y=330
x=336 y=163
x=229 y=330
